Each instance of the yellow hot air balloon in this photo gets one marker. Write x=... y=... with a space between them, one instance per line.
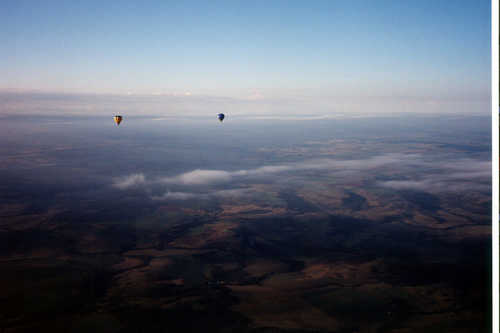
x=118 y=119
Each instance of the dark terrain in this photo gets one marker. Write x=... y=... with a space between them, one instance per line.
x=329 y=226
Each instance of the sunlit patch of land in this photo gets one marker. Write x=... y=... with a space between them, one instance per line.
x=206 y=235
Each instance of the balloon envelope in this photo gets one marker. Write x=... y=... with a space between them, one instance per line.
x=220 y=116
x=118 y=119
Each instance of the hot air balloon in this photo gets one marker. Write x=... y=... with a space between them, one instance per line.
x=220 y=116
x=118 y=119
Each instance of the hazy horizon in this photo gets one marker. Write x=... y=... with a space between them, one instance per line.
x=177 y=105
x=264 y=58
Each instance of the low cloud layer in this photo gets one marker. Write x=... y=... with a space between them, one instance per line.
x=231 y=193
x=130 y=181
x=458 y=175
x=199 y=177
x=207 y=177
x=426 y=175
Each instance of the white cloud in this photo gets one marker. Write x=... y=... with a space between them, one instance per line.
x=264 y=170
x=436 y=176
x=407 y=184
x=130 y=181
x=458 y=175
x=231 y=193
x=255 y=95
x=175 y=196
x=208 y=177
x=199 y=177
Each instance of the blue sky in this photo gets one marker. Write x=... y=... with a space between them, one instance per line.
x=316 y=49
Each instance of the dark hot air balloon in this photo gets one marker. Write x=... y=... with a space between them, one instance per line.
x=220 y=116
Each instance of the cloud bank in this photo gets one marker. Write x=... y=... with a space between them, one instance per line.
x=209 y=177
x=231 y=193
x=426 y=175
x=130 y=181
x=199 y=177
x=459 y=175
